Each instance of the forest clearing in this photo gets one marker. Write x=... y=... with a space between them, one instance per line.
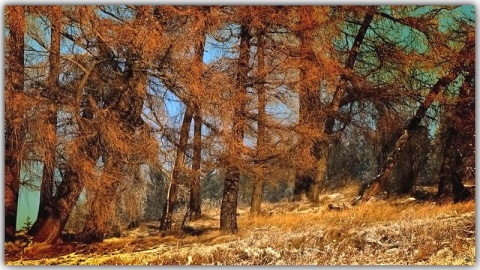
x=398 y=231
x=148 y=134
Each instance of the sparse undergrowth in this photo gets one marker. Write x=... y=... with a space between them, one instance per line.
x=397 y=231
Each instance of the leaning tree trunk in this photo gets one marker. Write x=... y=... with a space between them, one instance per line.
x=72 y=185
x=63 y=203
x=320 y=147
x=178 y=169
x=15 y=19
x=464 y=58
x=261 y=134
x=46 y=188
x=228 y=209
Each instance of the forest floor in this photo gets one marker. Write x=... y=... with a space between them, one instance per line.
x=397 y=231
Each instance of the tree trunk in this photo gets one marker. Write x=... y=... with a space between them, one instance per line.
x=15 y=19
x=195 y=210
x=464 y=58
x=72 y=184
x=46 y=188
x=194 y=206
x=228 y=212
x=306 y=180
x=450 y=185
x=66 y=198
x=177 y=171
x=228 y=209
x=261 y=135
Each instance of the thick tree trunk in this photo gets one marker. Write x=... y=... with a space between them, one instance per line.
x=195 y=210
x=15 y=19
x=46 y=188
x=261 y=134
x=450 y=185
x=228 y=213
x=465 y=57
x=69 y=190
x=177 y=171
x=228 y=209
x=63 y=204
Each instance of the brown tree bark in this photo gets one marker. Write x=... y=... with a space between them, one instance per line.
x=15 y=19
x=46 y=188
x=194 y=206
x=464 y=58
x=177 y=171
x=195 y=210
x=63 y=203
x=450 y=186
x=261 y=134
x=72 y=184
x=228 y=209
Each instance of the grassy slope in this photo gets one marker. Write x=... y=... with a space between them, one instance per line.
x=398 y=231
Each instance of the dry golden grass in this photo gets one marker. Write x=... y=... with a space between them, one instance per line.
x=393 y=232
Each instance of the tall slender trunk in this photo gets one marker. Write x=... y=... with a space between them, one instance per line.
x=464 y=58
x=46 y=188
x=177 y=171
x=15 y=19
x=261 y=135
x=228 y=209
x=194 y=207
x=195 y=210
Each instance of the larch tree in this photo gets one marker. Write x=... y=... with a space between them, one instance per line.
x=14 y=85
x=49 y=163
x=463 y=58
x=228 y=209
x=259 y=181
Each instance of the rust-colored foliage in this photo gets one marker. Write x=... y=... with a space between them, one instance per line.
x=99 y=96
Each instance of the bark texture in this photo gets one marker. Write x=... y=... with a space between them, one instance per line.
x=177 y=172
x=228 y=209
x=261 y=133
x=15 y=20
